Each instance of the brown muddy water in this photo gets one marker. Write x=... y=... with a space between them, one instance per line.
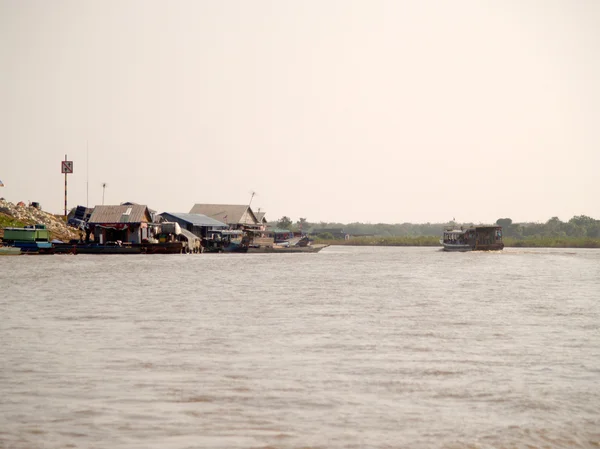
x=347 y=348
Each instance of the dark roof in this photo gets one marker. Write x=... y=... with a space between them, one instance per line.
x=120 y=214
x=228 y=213
x=195 y=219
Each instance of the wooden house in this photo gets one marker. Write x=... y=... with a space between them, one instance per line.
x=125 y=223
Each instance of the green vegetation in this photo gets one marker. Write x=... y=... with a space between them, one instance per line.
x=285 y=223
x=6 y=221
x=384 y=241
x=579 y=232
x=578 y=227
x=552 y=242
x=532 y=242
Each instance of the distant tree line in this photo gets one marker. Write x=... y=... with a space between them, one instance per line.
x=580 y=226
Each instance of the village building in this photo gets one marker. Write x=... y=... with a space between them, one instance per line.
x=197 y=224
x=262 y=220
x=124 y=223
x=235 y=216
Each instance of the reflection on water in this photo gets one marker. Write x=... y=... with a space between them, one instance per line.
x=347 y=348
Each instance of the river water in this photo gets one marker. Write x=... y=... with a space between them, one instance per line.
x=348 y=348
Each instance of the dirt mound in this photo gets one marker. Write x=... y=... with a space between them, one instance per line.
x=21 y=214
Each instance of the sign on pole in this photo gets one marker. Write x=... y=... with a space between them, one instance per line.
x=66 y=167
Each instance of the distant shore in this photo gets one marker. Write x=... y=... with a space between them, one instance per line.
x=535 y=242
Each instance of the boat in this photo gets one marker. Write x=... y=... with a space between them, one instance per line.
x=265 y=242
x=473 y=238
x=225 y=241
x=108 y=248
x=31 y=239
x=279 y=249
x=10 y=251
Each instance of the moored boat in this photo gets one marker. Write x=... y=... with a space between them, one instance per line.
x=108 y=248
x=32 y=239
x=473 y=238
x=10 y=251
x=222 y=241
x=277 y=249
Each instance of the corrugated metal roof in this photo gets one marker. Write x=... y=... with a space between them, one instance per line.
x=120 y=214
x=131 y=203
x=260 y=216
x=189 y=236
x=228 y=213
x=195 y=219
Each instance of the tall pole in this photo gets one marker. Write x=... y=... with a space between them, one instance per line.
x=65 y=189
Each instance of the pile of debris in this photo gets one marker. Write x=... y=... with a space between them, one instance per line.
x=32 y=214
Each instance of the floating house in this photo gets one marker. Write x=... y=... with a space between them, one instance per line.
x=125 y=223
x=197 y=224
x=235 y=216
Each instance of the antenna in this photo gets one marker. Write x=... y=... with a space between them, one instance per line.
x=253 y=194
x=103 y=189
x=87 y=168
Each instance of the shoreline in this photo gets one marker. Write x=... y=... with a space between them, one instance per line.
x=21 y=215
x=434 y=242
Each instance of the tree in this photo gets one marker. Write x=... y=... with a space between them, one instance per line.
x=302 y=224
x=284 y=223
x=504 y=222
x=325 y=236
x=582 y=220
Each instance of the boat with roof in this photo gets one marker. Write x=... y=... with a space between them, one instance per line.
x=472 y=238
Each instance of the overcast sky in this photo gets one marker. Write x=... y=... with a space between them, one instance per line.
x=373 y=111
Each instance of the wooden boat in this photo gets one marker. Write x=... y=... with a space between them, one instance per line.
x=276 y=249
x=473 y=238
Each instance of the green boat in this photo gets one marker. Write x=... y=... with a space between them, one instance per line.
x=36 y=233
x=29 y=239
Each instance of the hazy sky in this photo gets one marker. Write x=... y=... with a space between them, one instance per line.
x=373 y=111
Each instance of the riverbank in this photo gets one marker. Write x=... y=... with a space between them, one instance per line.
x=531 y=242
